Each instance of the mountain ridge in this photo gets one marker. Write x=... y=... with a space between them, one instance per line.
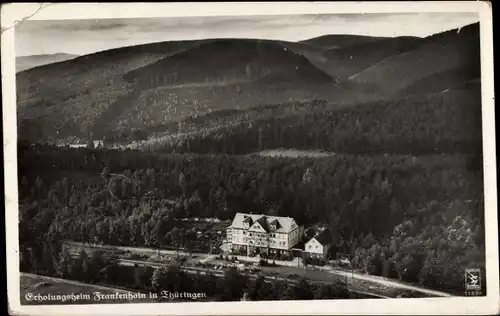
x=32 y=61
x=148 y=87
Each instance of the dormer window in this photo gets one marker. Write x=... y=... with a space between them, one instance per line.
x=247 y=222
x=274 y=225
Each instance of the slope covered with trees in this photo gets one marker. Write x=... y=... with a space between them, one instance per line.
x=64 y=99
x=439 y=53
x=134 y=198
x=199 y=111
x=448 y=122
x=345 y=62
x=97 y=94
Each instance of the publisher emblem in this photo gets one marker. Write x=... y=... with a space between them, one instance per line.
x=472 y=280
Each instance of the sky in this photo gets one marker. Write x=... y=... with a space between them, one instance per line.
x=82 y=37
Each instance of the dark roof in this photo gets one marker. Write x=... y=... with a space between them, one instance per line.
x=324 y=237
x=263 y=222
x=301 y=244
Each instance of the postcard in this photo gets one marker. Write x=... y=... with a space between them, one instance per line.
x=287 y=158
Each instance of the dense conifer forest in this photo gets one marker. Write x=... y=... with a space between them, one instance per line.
x=415 y=218
x=389 y=132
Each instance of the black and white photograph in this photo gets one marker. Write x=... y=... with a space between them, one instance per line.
x=337 y=156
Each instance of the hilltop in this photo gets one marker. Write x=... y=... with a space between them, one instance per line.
x=452 y=51
x=348 y=61
x=32 y=61
x=340 y=41
x=148 y=86
x=157 y=90
x=63 y=99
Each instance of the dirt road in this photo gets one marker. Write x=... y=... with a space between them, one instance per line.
x=384 y=281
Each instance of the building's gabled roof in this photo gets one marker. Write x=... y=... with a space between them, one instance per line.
x=284 y=224
x=324 y=237
x=263 y=222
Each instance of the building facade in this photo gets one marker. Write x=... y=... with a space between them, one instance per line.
x=319 y=245
x=257 y=234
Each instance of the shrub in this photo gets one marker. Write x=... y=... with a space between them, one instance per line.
x=135 y=256
x=307 y=261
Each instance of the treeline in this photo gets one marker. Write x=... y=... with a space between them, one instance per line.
x=440 y=123
x=135 y=198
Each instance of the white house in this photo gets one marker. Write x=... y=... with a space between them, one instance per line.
x=256 y=233
x=319 y=245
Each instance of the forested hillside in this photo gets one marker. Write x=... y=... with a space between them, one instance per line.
x=112 y=91
x=76 y=194
x=448 y=51
x=448 y=122
x=63 y=99
x=345 y=62
x=146 y=88
x=388 y=131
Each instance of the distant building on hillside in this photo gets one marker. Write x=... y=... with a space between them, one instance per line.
x=319 y=245
x=272 y=235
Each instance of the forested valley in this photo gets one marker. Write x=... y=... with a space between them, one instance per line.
x=415 y=218
x=183 y=129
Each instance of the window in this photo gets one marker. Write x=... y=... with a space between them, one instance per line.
x=310 y=246
x=250 y=234
x=244 y=233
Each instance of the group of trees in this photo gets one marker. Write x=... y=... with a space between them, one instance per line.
x=135 y=198
x=433 y=249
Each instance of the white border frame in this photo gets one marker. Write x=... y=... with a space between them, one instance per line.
x=422 y=306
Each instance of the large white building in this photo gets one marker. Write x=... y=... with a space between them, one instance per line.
x=256 y=234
